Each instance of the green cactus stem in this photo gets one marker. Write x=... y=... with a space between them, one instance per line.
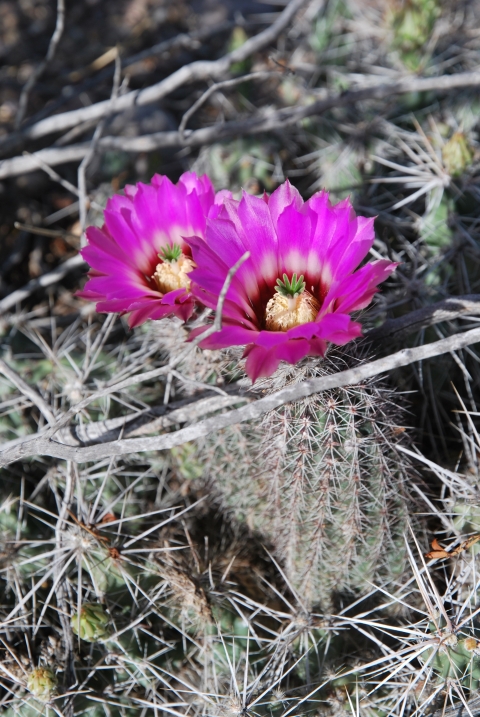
x=322 y=480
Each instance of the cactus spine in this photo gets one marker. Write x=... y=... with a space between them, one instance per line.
x=322 y=480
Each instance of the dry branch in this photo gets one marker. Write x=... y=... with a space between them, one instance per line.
x=264 y=121
x=472 y=709
x=49 y=447
x=226 y=84
x=52 y=277
x=201 y=70
x=141 y=423
x=38 y=71
x=452 y=308
x=154 y=419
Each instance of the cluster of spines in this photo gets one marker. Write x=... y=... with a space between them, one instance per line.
x=182 y=610
x=322 y=480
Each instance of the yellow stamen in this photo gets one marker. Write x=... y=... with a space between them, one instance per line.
x=286 y=312
x=170 y=276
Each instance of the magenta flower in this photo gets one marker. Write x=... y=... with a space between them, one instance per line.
x=296 y=291
x=140 y=261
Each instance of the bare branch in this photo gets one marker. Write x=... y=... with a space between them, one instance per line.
x=264 y=121
x=53 y=156
x=155 y=373
x=447 y=310
x=46 y=232
x=27 y=391
x=57 y=178
x=36 y=74
x=48 y=447
x=81 y=173
x=187 y=41
x=217 y=324
x=51 y=173
x=76 y=262
x=151 y=420
x=460 y=710
x=193 y=72
x=220 y=86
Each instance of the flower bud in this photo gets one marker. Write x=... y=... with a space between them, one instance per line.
x=457 y=154
x=92 y=623
x=42 y=683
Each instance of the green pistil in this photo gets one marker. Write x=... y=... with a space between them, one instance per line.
x=293 y=287
x=170 y=253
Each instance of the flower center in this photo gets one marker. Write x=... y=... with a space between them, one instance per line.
x=172 y=272
x=291 y=306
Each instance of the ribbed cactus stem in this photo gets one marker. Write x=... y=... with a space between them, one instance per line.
x=322 y=480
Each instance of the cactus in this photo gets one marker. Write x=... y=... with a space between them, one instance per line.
x=145 y=585
x=412 y=22
x=91 y=623
x=322 y=480
x=42 y=683
x=457 y=154
x=241 y=164
x=457 y=656
x=459 y=659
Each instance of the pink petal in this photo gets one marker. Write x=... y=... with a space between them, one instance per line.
x=324 y=243
x=123 y=254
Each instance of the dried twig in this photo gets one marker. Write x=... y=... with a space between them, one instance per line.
x=220 y=86
x=45 y=232
x=40 y=69
x=57 y=178
x=76 y=262
x=460 y=710
x=151 y=420
x=263 y=121
x=217 y=324
x=43 y=445
x=82 y=169
x=200 y=70
x=447 y=310
x=53 y=156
